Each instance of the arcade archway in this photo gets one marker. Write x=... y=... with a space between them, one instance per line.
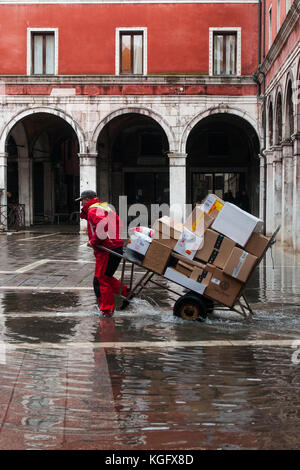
x=222 y=158
x=43 y=168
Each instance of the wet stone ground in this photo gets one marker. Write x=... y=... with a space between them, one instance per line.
x=143 y=379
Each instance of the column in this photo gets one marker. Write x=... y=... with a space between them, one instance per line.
x=262 y=187
x=3 y=190
x=269 y=193
x=25 y=188
x=48 y=191
x=296 y=194
x=103 y=178
x=277 y=188
x=88 y=176
x=287 y=194
x=177 y=162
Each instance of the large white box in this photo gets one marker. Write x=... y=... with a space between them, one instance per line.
x=188 y=244
x=236 y=224
x=139 y=242
x=184 y=281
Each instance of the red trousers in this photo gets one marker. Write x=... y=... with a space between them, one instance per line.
x=105 y=285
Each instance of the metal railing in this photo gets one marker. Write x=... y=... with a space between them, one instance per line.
x=12 y=216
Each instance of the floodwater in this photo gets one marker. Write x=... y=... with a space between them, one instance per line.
x=146 y=379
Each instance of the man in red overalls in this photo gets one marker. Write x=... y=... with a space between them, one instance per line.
x=104 y=227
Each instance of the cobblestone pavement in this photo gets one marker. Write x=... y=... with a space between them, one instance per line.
x=143 y=379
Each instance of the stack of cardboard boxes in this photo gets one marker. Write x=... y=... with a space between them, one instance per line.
x=213 y=253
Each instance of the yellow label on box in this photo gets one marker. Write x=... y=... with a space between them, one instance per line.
x=216 y=205
x=196 y=223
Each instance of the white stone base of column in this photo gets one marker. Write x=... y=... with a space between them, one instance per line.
x=296 y=195
x=177 y=162
x=88 y=177
x=287 y=194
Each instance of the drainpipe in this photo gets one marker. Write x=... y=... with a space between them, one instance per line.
x=261 y=47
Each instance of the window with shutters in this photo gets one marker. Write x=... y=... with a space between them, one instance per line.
x=131 y=51
x=42 y=52
x=225 y=51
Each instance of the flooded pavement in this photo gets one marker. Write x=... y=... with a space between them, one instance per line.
x=143 y=379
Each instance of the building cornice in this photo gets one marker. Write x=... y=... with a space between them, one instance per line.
x=126 y=80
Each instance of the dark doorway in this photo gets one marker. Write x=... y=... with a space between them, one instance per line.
x=223 y=159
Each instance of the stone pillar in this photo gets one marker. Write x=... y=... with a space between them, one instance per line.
x=287 y=194
x=103 y=179
x=296 y=194
x=25 y=188
x=277 y=188
x=177 y=162
x=262 y=187
x=88 y=176
x=269 y=193
x=3 y=188
x=48 y=191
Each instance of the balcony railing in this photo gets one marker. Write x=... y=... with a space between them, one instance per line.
x=12 y=216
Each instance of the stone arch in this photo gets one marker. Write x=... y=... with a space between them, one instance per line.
x=298 y=98
x=209 y=112
x=144 y=111
x=55 y=111
x=278 y=116
x=270 y=123
x=288 y=107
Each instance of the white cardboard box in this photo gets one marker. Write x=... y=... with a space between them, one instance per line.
x=184 y=281
x=236 y=224
x=139 y=242
x=188 y=244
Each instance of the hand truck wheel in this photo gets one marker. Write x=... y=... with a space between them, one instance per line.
x=190 y=307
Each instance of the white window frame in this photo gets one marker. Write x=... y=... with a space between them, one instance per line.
x=238 y=31
x=117 y=49
x=30 y=32
x=278 y=15
x=287 y=5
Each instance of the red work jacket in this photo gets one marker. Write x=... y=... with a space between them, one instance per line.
x=103 y=224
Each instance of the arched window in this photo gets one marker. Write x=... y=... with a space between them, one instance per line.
x=289 y=111
x=270 y=125
x=278 y=135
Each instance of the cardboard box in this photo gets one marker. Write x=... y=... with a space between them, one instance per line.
x=161 y=237
x=212 y=205
x=168 y=228
x=236 y=224
x=257 y=244
x=223 y=288
x=188 y=244
x=216 y=249
x=157 y=257
x=240 y=264
x=198 y=221
x=195 y=273
x=184 y=281
x=184 y=268
x=139 y=242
